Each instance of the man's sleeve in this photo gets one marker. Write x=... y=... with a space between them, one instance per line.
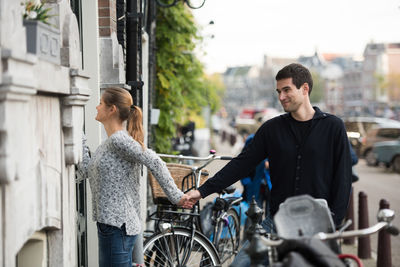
x=341 y=184
x=240 y=166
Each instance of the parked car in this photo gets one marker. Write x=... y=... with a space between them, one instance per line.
x=375 y=135
x=388 y=152
x=357 y=128
x=250 y=119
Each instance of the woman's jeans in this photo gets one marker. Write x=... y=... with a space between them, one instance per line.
x=115 y=246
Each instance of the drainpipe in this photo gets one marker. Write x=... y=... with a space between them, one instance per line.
x=151 y=30
x=134 y=50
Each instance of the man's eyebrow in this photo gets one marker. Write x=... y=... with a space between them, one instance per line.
x=286 y=87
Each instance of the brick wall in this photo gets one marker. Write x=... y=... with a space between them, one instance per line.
x=107 y=17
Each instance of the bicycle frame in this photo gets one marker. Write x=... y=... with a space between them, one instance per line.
x=222 y=214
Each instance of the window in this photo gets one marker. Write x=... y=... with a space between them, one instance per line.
x=391 y=133
x=76 y=6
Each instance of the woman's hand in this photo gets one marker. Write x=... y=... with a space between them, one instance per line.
x=189 y=199
x=184 y=202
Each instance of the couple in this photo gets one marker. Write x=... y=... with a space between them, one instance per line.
x=307 y=149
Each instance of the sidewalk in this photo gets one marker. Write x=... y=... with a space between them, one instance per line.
x=352 y=249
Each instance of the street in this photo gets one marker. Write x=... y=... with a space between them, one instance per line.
x=378 y=183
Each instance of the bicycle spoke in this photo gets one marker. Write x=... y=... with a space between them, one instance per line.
x=160 y=257
x=180 y=249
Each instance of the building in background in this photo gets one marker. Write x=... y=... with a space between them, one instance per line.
x=381 y=78
x=349 y=86
x=252 y=86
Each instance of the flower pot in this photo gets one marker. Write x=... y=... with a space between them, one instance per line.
x=43 y=40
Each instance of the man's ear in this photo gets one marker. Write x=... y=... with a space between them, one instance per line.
x=306 y=88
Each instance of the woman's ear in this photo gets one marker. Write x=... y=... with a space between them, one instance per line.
x=113 y=109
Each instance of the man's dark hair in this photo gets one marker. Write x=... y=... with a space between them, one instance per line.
x=298 y=73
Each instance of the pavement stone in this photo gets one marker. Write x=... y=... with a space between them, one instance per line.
x=352 y=249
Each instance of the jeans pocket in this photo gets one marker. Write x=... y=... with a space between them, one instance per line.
x=128 y=242
x=105 y=229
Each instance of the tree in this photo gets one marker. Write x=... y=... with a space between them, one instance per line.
x=317 y=92
x=182 y=89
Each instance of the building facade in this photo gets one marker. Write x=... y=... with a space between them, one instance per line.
x=42 y=97
x=47 y=100
x=381 y=76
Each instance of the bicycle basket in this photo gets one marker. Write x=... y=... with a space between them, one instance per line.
x=183 y=177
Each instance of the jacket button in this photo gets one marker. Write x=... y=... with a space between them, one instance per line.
x=299 y=156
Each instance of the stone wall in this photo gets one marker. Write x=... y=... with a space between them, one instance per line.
x=41 y=121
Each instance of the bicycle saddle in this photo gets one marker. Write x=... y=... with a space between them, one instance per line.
x=229 y=190
x=303 y=216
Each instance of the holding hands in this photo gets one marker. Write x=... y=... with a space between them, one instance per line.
x=189 y=199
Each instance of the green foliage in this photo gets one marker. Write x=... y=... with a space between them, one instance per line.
x=388 y=84
x=317 y=92
x=216 y=89
x=182 y=89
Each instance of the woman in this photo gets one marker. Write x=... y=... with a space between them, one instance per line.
x=114 y=172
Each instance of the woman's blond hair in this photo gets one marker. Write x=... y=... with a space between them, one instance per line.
x=122 y=99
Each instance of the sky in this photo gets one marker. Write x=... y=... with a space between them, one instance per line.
x=246 y=30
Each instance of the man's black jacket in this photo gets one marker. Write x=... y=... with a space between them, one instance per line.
x=320 y=166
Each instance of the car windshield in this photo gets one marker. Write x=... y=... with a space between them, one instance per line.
x=351 y=126
x=369 y=125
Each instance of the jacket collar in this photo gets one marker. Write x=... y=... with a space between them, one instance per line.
x=317 y=115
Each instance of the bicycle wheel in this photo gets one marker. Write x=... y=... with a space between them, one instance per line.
x=166 y=3
x=195 y=4
x=228 y=236
x=179 y=249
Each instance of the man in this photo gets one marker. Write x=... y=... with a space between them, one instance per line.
x=307 y=149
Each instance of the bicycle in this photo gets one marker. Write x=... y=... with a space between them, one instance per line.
x=178 y=239
x=296 y=235
x=226 y=221
x=194 y=4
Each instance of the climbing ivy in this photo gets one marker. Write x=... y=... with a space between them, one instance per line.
x=182 y=89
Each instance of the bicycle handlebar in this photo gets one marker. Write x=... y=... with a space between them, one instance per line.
x=197 y=169
x=211 y=156
x=185 y=157
x=353 y=233
x=385 y=217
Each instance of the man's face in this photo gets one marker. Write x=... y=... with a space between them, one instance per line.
x=290 y=96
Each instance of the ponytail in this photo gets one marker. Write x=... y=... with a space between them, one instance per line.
x=135 y=126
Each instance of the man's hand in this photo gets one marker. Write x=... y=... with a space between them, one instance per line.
x=189 y=199
x=194 y=196
x=185 y=202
